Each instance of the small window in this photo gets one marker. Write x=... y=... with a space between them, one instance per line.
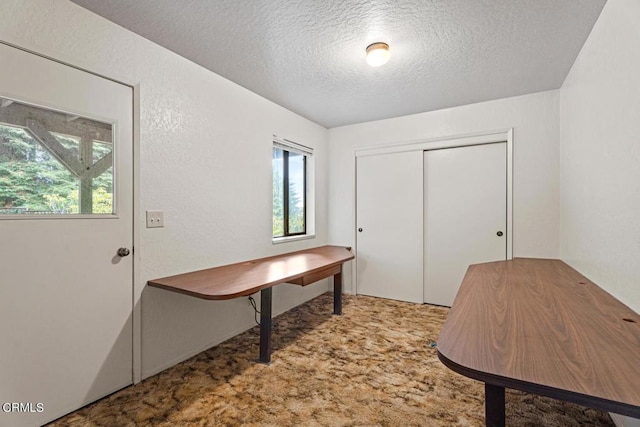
x=290 y=189
x=53 y=163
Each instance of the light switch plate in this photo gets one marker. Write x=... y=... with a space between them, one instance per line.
x=155 y=219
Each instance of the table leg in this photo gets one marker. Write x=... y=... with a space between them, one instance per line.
x=337 y=293
x=494 y=405
x=265 y=326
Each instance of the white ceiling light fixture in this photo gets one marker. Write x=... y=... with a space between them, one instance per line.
x=377 y=54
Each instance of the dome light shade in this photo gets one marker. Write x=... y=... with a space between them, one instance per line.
x=377 y=54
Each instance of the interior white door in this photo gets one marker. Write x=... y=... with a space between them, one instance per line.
x=465 y=214
x=65 y=295
x=389 y=221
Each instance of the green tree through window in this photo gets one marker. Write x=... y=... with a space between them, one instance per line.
x=34 y=181
x=289 y=193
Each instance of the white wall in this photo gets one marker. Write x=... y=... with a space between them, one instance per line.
x=536 y=191
x=205 y=159
x=600 y=158
x=600 y=155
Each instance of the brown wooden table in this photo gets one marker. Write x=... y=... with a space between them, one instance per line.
x=539 y=326
x=246 y=278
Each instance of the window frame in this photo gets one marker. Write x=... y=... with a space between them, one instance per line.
x=288 y=147
x=286 y=185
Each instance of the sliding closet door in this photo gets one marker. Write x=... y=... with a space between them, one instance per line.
x=389 y=226
x=465 y=214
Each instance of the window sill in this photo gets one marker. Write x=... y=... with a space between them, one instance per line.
x=278 y=240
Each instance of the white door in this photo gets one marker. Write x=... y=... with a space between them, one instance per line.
x=389 y=221
x=465 y=214
x=65 y=294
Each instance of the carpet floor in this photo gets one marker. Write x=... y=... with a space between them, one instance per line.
x=373 y=366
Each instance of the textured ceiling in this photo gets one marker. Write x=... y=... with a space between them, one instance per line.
x=308 y=55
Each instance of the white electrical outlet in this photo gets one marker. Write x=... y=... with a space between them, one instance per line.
x=155 y=219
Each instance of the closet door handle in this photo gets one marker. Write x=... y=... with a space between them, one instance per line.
x=123 y=252
x=499 y=233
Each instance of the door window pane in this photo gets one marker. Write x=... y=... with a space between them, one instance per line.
x=53 y=163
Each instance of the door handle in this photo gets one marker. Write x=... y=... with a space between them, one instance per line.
x=360 y=230
x=499 y=233
x=123 y=252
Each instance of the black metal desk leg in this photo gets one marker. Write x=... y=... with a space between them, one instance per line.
x=337 y=293
x=265 y=325
x=494 y=405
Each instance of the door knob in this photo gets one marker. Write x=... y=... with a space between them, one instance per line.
x=499 y=233
x=360 y=230
x=123 y=252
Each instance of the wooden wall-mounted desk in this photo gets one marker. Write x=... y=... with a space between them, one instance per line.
x=246 y=278
x=539 y=326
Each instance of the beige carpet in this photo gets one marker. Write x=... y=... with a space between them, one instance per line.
x=373 y=366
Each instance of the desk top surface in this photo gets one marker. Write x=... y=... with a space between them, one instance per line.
x=246 y=278
x=540 y=326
